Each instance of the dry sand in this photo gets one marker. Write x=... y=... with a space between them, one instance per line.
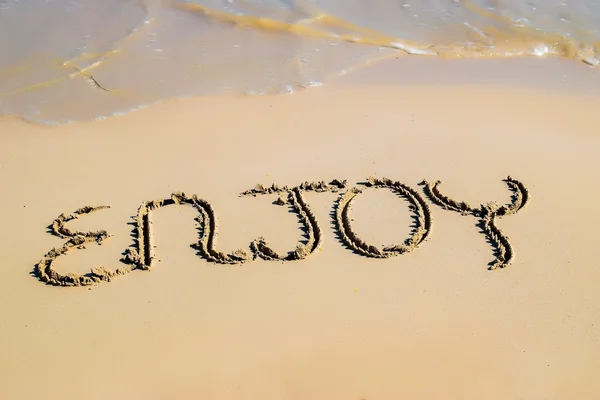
x=346 y=289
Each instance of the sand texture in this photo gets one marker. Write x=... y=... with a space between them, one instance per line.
x=356 y=241
x=141 y=256
x=487 y=214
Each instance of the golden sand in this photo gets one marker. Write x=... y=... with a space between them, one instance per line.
x=357 y=288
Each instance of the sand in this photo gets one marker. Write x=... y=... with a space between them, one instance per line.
x=434 y=239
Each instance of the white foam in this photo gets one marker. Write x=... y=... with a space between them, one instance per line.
x=150 y=50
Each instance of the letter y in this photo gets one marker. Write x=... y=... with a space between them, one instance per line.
x=487 y=214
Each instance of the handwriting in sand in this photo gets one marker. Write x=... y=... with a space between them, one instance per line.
x=141 y=255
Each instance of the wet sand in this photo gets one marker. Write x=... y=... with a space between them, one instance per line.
x=88 y=60
x=302 y=247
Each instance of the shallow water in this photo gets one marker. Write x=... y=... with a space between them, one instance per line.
x=66 y=60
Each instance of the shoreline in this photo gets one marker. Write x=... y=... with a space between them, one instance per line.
x=550 y=74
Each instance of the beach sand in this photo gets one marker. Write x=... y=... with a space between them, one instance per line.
x=432 y=323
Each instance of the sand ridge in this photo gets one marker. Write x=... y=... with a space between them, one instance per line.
x=307 y=218
x=141 y=255
x=45 y=271
x=420 y=232
x=487 y=214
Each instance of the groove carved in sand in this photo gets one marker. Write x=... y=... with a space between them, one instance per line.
x=487 y=214
x=418 y=206
x=45 y=271
x=293 y=197
x=143 y=254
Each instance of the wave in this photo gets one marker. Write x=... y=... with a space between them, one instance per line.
x=70 y=61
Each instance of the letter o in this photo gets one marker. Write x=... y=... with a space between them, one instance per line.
x=417 y=205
